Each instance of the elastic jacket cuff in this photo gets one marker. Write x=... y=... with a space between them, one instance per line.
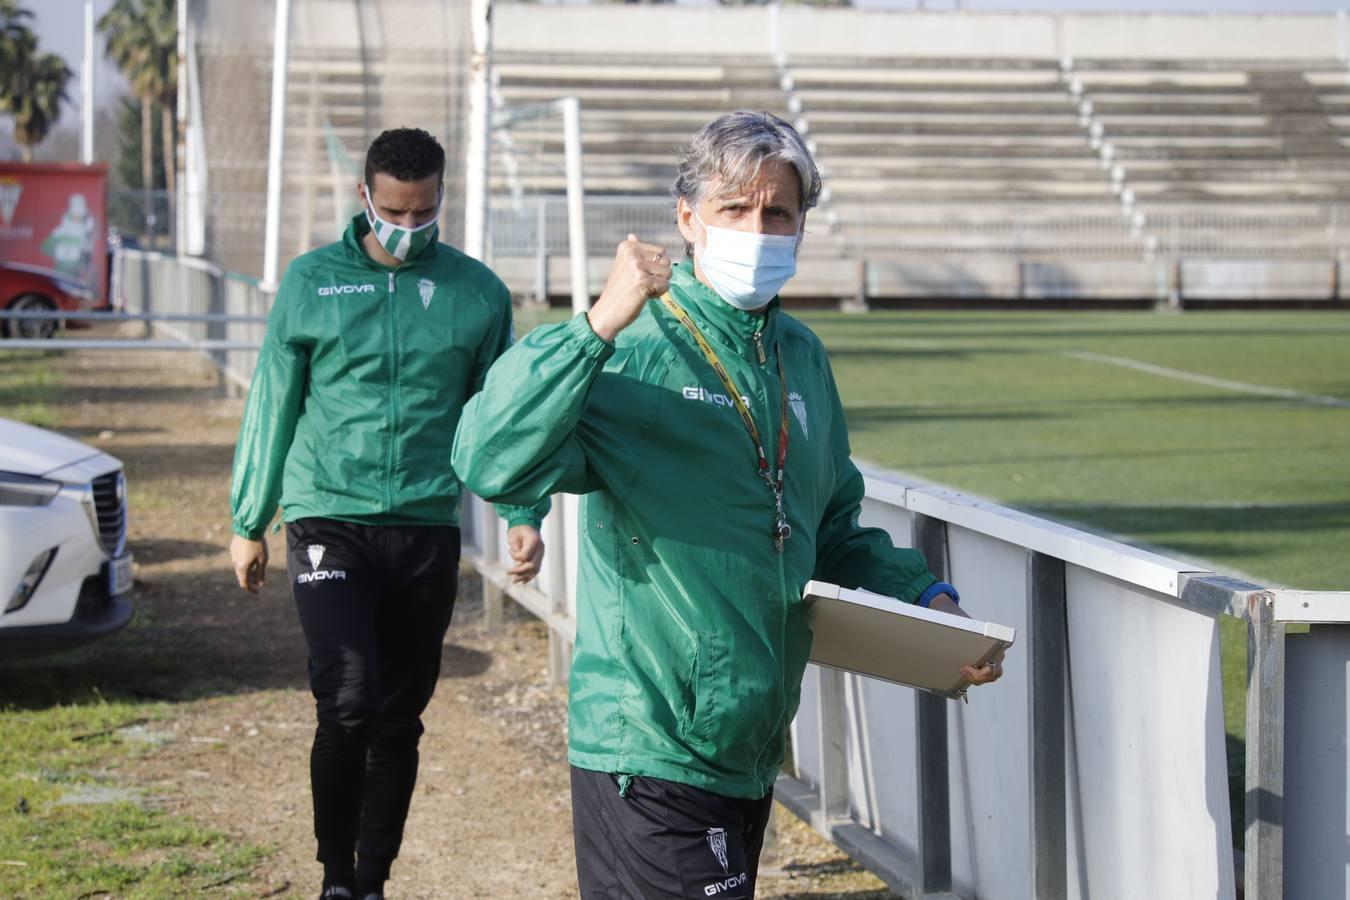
x=523 y=520
x=592 y=344
x=247 y=534
x=938 y=587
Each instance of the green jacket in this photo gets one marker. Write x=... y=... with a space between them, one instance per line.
x=691 y=635
x=359 y=385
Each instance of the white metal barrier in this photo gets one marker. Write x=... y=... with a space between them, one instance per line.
x=198 y=304
x=1096 y=767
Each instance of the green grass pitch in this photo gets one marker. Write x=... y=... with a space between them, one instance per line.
x=1202 y=457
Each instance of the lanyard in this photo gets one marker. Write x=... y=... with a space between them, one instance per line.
x=781 y=530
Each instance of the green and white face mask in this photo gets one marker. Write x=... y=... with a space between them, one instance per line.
x=400 y=242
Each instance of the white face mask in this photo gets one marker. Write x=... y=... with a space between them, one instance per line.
x=746 y=269
x=400 y=242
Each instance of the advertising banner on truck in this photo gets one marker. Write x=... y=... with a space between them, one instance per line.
x=54 y=215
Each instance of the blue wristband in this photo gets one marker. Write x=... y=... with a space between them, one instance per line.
x=940 y=587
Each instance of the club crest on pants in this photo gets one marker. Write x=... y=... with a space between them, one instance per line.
x=717 y=841
x=315 y=553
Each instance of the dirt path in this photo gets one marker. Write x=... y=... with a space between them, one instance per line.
x=491 y=817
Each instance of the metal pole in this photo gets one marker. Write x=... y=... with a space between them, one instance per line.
x=276 y=143
x=1264 y=838
x=477 y=151
x=541 y=251
x=194 y=179
x=1048 y=627
x=930 y=714
x=180 y=227
x=576 y=205
x=87 y=83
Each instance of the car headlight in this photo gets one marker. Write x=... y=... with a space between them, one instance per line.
x=26 y=490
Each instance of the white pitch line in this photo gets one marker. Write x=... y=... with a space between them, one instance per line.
x=1223 y=383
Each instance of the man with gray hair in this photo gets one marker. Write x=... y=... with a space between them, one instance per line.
x=705 y=429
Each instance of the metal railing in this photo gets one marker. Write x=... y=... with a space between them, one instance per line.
x=1097 y=766
x=184 y=304
x=197 y=305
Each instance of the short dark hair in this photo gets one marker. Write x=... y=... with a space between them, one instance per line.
x=406 y=154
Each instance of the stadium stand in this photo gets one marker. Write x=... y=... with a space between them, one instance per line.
x=1141 y=170
x=1037 y=159
x=354 y=70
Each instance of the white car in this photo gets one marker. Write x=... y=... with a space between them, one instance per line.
x=65 y=573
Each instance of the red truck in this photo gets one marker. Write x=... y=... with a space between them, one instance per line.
x=53 y=242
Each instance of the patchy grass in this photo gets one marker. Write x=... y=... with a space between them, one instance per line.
x=29 y=381
x=71 y=827
x=71 y=824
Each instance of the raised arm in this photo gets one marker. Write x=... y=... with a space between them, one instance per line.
x=518 y=439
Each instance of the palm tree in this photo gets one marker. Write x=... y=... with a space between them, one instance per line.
x=32 y=85
x=142 y=38
x=17 y=45
x=39 y=84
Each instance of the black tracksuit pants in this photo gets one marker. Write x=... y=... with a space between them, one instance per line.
x=641 y=838
x=374 y=602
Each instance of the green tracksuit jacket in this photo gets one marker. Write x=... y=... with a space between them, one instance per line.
x=691 y=635
x=359 y=385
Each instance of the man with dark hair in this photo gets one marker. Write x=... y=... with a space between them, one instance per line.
x=373 y=346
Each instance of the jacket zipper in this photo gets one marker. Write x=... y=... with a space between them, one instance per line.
x=759 y=345
x=393 y=399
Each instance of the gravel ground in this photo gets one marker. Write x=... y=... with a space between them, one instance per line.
x=491 y=816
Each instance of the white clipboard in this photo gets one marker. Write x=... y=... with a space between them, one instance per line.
x=881 y=637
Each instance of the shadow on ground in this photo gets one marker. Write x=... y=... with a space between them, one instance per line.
x=194 y=636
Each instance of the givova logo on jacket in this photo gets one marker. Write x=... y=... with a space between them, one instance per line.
x=334 y=290
x=315 y=553
x=695 y=392
x=426 y=287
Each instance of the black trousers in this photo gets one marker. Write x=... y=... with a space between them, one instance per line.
x=374 y=602
x=662 y=840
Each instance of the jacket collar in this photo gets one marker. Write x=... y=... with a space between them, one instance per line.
x=718 y=320
x=358 y=228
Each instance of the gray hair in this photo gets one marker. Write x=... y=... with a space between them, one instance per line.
x=733 y=147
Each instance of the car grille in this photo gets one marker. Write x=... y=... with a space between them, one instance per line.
x=110 y=506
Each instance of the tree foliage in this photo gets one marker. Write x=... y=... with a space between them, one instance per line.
x=32 y=84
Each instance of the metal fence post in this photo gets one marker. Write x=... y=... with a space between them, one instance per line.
x=555 y=558
x=831 y=744
x=492 y=592
x=1264 y=843
x=1048 y=632
x=935 y=815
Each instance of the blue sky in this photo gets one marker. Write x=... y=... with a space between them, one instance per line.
x=60 y=29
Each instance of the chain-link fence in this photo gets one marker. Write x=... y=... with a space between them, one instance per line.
x=142 y=219
x=356 y=68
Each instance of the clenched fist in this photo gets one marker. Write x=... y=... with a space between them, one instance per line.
x=641 y=271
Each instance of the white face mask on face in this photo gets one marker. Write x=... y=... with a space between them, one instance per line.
x=746 y=269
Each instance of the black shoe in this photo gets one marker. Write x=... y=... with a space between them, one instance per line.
x=336 y=892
